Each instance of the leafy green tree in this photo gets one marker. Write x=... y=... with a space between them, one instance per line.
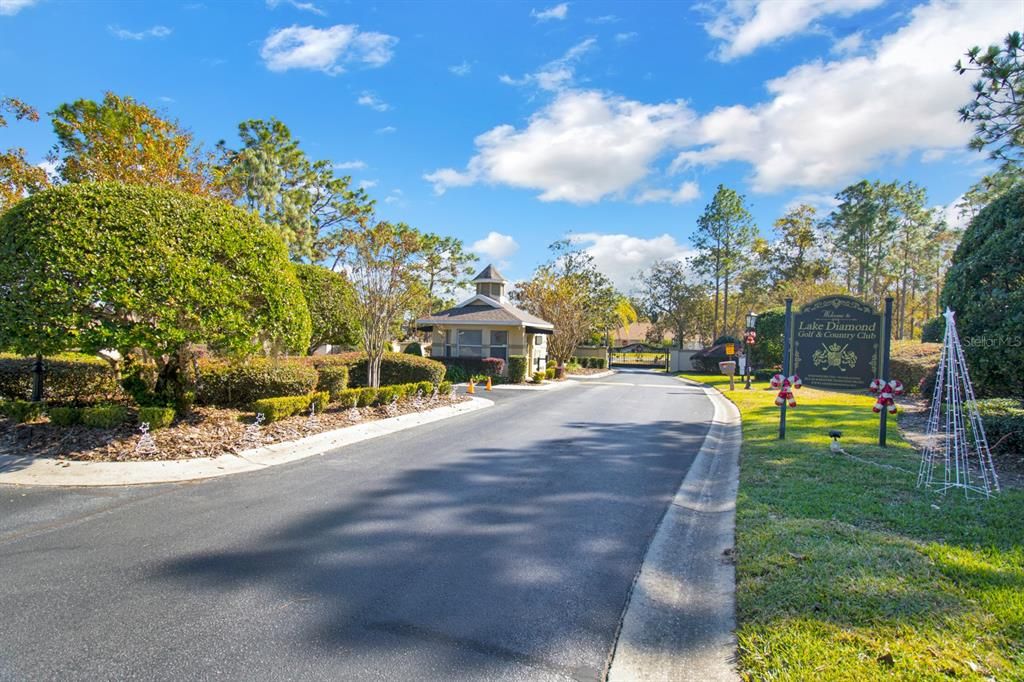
x=127 y=267
x=674 y=303
x=990 y=188
x=332 y=306
x=798 y=247
x=123 y=140
x=570 y=292
x=18 y=177
x=997 y=110
x=861 y=234
x=309 y=206
x=725 y=232
x=446 y=268
x=385 y=265
x=985 y=288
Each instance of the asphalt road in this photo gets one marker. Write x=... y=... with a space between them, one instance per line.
x=498 y=545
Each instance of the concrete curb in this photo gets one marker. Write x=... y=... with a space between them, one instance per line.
x=31 y=471
x=680 y=620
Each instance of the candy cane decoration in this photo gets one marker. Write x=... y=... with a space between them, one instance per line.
x=886 y=392
x=785 y=385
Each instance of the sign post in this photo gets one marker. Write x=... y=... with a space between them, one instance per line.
x=787 y=338
x=886 y=345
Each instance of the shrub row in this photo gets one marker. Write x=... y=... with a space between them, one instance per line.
x=68 y=378
x=276 y=409
x=21 y=411
x=385 y=395
x=395 y=368
x=538 y=377
x=913 y=363
x=461 y=369
x=592 y=363
x=1003 y=419
x=156 y=417
x=231 y=384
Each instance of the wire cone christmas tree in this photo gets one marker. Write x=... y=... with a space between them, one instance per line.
x=956 y=454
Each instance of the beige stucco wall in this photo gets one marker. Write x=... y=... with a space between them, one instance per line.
x=519 y=342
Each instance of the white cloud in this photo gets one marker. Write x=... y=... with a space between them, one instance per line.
x=350 y=165
x=50 y=167
x=688 y=191
x=823 y=203
x=851 y=44
x=583 y=146
x=557 y=74
x=560 y=11
x=746 y=25
x=933 y=155
x=603 y=19
x=154 y=32
x=369 y=99
x=367 y=184
x=304 y=6
x=386 y=130
x=463 y=69
x=326 y=49
x=495 y=246
x=621 y=256
x=11 y=7
x=829 y=121
x=393 y=197
x=625 y=37
x=951 y=213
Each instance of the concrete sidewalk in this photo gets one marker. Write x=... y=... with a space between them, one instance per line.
x=38 y=471
x=680 y=622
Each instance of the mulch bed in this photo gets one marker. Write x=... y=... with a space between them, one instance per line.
x=585 y=371
x=206 y=432
x=913 y=422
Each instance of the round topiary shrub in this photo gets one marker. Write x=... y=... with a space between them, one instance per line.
x=107 y=265
x=985 y=288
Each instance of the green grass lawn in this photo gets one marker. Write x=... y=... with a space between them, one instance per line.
x=846 y=571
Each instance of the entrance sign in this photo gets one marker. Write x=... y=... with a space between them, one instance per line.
x=837 y=343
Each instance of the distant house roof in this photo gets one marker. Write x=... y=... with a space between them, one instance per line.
x=484 y=310
x=637 y=333
x=489 y=274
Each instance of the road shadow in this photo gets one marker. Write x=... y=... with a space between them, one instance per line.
x=522 y=555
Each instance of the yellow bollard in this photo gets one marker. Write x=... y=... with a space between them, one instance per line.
x=471 y=388
x=488 y=387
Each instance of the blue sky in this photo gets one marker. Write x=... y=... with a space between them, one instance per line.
x=512 y=124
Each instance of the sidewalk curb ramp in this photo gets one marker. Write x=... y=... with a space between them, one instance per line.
x=679 y=623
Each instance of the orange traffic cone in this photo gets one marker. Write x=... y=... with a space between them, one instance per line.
x=488 y=387
x=471 y=388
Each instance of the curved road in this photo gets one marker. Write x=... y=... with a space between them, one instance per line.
x=498 y=545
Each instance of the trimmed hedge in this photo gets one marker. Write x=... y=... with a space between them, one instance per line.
x=21 y=411
x=333 y=379
x=912 y=362
x=445 y=388
x=68 y=378
x=1003 y=419
x=276 y=409
x=395 y=368
x=64 y=416
x=550 y=373
x=319 y=400
x=229 y=384
x=367 y=397
x=517 y=369
x=156 y=417
x=104 y=416
x=538 y=377
x=493 y=367
x=347 y=398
